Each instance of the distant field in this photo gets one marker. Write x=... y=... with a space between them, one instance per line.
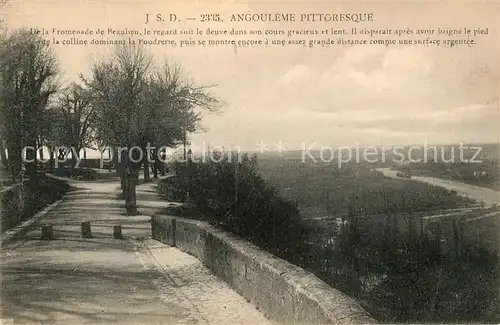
x=325 y=192
x=484 y=174
x=322 y=189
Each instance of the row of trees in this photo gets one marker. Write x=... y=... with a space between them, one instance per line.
x=125 y=101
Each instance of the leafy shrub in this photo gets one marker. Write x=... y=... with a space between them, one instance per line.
x=233 y=196
x=37 y=195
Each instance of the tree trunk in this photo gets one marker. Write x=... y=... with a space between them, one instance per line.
x=52 y=158
x=75 y=155
x=110 y=161
x=83 y=162
x=32 y=185
x=42 y=159
x=154 y=165
x=131 y=197
x=31 y=165
x=120 y=169
x=155 y=170
x=14 y=150
x=133 y=163
x=3 y=154
x=163 y=162
x=123 y=179
x=147 y=177
x=123 y=185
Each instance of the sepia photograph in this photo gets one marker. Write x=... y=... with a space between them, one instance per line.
x=249 y=162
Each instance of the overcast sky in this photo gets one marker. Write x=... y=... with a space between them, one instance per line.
x=330 y=96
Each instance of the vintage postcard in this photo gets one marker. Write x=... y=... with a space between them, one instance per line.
x=249 y=162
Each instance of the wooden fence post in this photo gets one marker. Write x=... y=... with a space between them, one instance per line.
x=47 y=232
x=117 y=232
x=86 y=230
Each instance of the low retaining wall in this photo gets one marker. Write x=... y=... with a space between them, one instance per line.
x=12 y=206
x=22 y=201
x=283 y=292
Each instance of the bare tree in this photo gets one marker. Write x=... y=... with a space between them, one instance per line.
x=28 y=80
x=75 y=116
x=2 y=20
x=51 y=134
x=116 y=85
x=136 y=106
x=173 y=106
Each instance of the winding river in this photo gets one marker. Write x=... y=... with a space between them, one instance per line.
x=487 y=195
